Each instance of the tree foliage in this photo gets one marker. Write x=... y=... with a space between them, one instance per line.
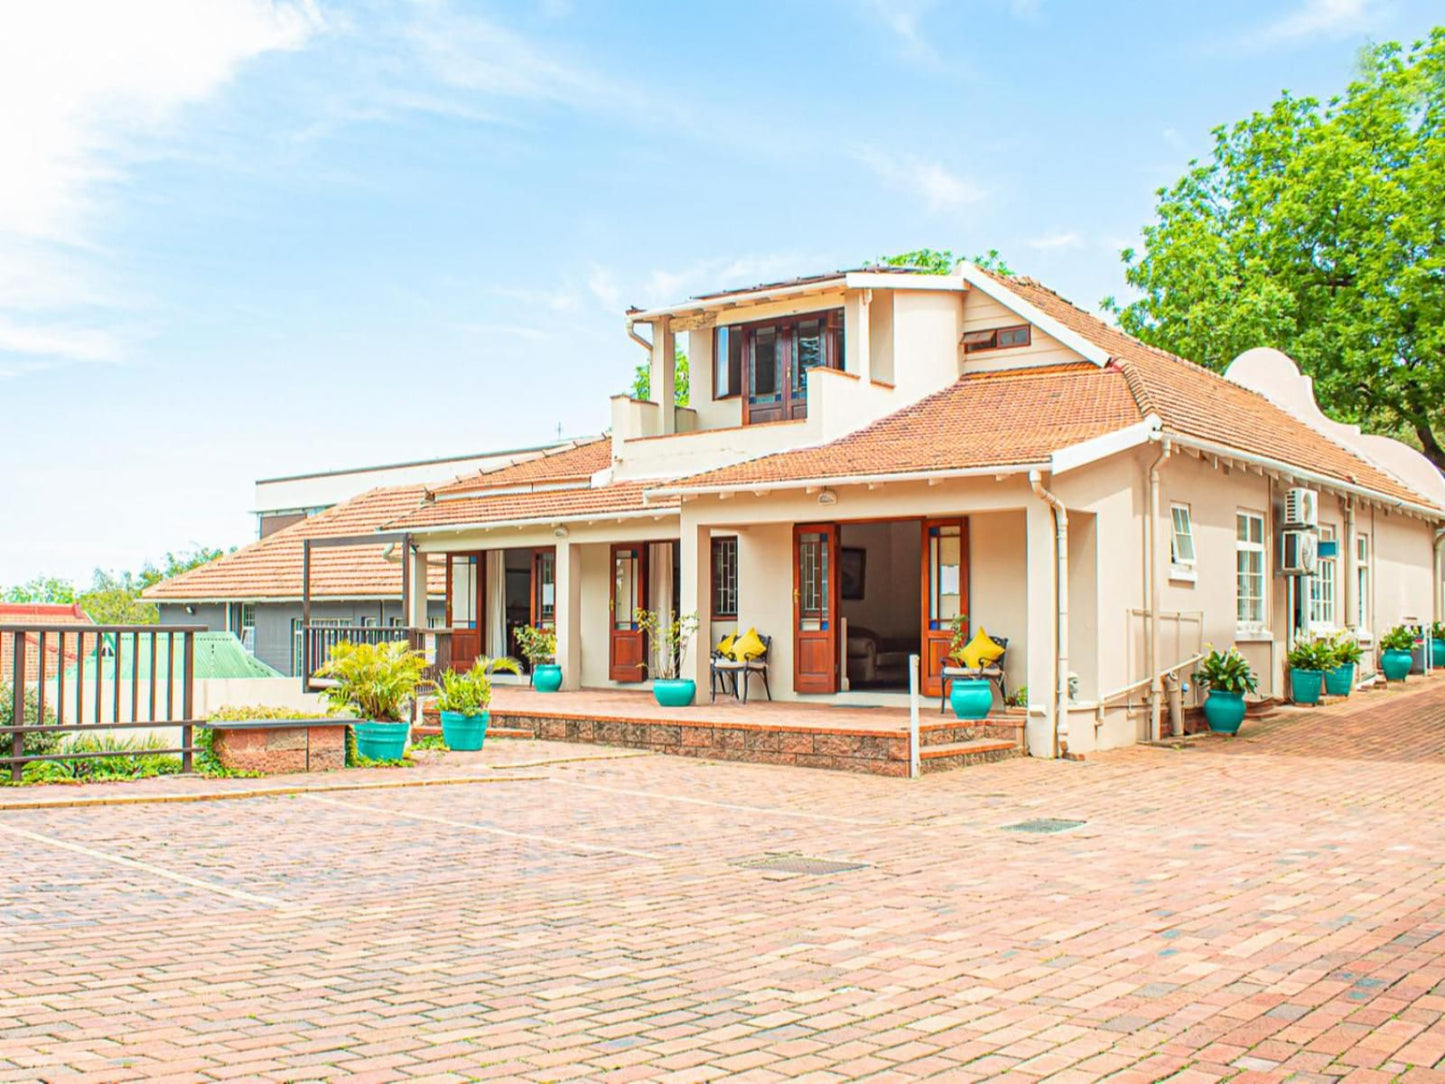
x=1317 y=228
x=113 y=598
x=681 y=380
x=941 y=261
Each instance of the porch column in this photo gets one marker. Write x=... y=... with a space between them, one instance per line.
x=568 y=613
x=413 y=570
x=664 y=372
x=695 y=553
x=1042 y=636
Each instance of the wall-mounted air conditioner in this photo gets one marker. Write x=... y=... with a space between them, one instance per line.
x=1301 y=508
x=1299 y=553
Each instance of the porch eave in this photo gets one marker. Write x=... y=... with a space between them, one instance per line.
x=661 y=512
x=851 y=480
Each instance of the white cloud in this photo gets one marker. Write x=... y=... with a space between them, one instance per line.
x=663 y=287
x=1313 y=18
x=1055 y=240
x=603 y=284
x=939 y=186
x=904 y=18
x=80 y=82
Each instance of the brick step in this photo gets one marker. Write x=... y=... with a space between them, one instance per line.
x=959 y=754
x=999 y=727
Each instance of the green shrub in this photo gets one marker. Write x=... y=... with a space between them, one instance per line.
x=376 y=681
x=35 y=744
x=471 y=693
x=1399 y=638
x=1347 y=649
x=1312 y=653
x=240 y=713
x=1226 y=672
x=138 y=764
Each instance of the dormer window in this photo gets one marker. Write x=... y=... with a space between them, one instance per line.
x=995 y=338
x=767 y=363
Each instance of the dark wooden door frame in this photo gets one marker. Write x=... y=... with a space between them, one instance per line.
x=822 y=678
x=934 y=643
x=627 y=648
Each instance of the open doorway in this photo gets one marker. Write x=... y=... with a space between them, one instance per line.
x=880 y=600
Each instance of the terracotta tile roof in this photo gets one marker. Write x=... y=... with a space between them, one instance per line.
x=486 y=508
x=574 y=463
x=1016 y=416
x=40 y=613
x=271 y=568
x=1194 y=401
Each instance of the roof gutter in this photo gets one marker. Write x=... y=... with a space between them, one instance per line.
x=1324 y=481
x=547 y=521
x=849 y=480
x=726 y=301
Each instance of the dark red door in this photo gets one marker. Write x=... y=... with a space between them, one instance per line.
x=465 y=591
x=815 y=608
x=944 y=577
x=629 y=595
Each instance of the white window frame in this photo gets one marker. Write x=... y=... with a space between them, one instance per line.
x=1182 y=568
x=1249 y=626
x=1362 y=581
x=1324 y=593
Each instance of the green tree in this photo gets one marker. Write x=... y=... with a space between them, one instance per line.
x=681 y=380
x=113 y=598
x=941 y=261
x=47 y=589
x=1318 y=229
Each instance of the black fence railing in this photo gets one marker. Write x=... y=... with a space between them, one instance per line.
x=71 y=680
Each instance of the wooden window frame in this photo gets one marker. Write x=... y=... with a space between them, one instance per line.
x=834 y=338
x=992 y=343
x=735 y=378
x=719 y=614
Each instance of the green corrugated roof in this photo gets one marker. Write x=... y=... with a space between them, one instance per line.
x=218 y=655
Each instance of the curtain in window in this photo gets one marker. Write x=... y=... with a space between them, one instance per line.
x=496 y=603
x=659 y=590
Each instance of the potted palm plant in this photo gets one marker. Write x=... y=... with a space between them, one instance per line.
x=462 y=701
x=1308 y=660
x=1437 y=644
x=669 y=637
x=538 y=645
x=377 y=683
x=1228 y=676
x=1340 y=681
x=970 y=698
x=1397 y=652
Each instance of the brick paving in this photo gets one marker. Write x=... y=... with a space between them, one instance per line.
x=1267 y=909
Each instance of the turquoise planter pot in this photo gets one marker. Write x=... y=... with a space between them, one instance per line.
x=674 y=692
x=464 y=733
x=1396 y=664
x=1437 y=652
x=1341 y=680
x=970 y=698
x=547 y=678
x=380 y=741
x=1305 y=686
x=1224 y=711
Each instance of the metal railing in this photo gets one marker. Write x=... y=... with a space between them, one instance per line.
x=91 y=678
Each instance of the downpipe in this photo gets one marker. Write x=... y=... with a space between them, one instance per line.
x=1061 y=588
x=1151 y=593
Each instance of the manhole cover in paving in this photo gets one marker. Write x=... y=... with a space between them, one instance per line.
x=1042 y=825
x=797 y=863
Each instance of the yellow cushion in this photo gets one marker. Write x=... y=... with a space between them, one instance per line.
x=748 y=646
x=725 y=645
x=980 y=651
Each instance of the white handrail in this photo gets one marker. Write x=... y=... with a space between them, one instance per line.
x=1141 y=683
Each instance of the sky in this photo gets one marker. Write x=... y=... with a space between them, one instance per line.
x=248 y=238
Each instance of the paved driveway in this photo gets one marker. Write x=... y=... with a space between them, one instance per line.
x=1271 y=909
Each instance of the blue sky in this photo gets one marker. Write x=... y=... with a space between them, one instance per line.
x=244 y=238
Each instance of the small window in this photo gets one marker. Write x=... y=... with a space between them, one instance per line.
x=998 y=338
x=1322 y=588
x=727 y=363
x=1249 y=570
x=1362 y=581
x=725 y=578
x=1181 y=544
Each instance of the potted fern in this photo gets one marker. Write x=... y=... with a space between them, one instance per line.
x=1228 y=676
x=669 y=637
x=462 y=701
x=1397 y=649
x=538 y=645
x=378 y=684
x=1340 y=681
x=1308 y=660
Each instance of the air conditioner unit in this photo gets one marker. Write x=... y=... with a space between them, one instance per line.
x=1299 y=552
x=1301 y=508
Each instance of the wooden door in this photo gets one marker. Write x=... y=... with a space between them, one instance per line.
x=544 y=588
x=815 y=608
x=944 y=578
x=465 y=592
x=628 y=650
